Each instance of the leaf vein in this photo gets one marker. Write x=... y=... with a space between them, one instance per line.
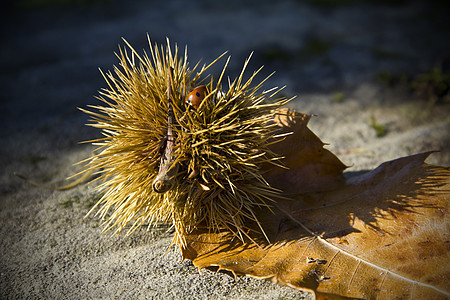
x=324 y=241
x=353 y=275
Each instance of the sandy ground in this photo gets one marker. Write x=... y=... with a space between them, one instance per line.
x=326 y=55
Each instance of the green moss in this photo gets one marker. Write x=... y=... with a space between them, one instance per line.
x=91 y=201
x=391 y=80
x=432 y=86
x=380 y=129
x=69 y=202
x=383 y=77
x=338 y=97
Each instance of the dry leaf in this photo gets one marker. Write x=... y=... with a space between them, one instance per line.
x=384 y=234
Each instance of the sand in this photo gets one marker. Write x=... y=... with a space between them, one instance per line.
x=326 y=55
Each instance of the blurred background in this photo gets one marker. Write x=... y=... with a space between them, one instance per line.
x=51 y=49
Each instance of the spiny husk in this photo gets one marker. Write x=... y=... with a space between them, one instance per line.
x=219 y=147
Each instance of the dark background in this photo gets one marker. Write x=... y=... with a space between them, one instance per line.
x=51 y=49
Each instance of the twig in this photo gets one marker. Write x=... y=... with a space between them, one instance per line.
x=167 y=170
